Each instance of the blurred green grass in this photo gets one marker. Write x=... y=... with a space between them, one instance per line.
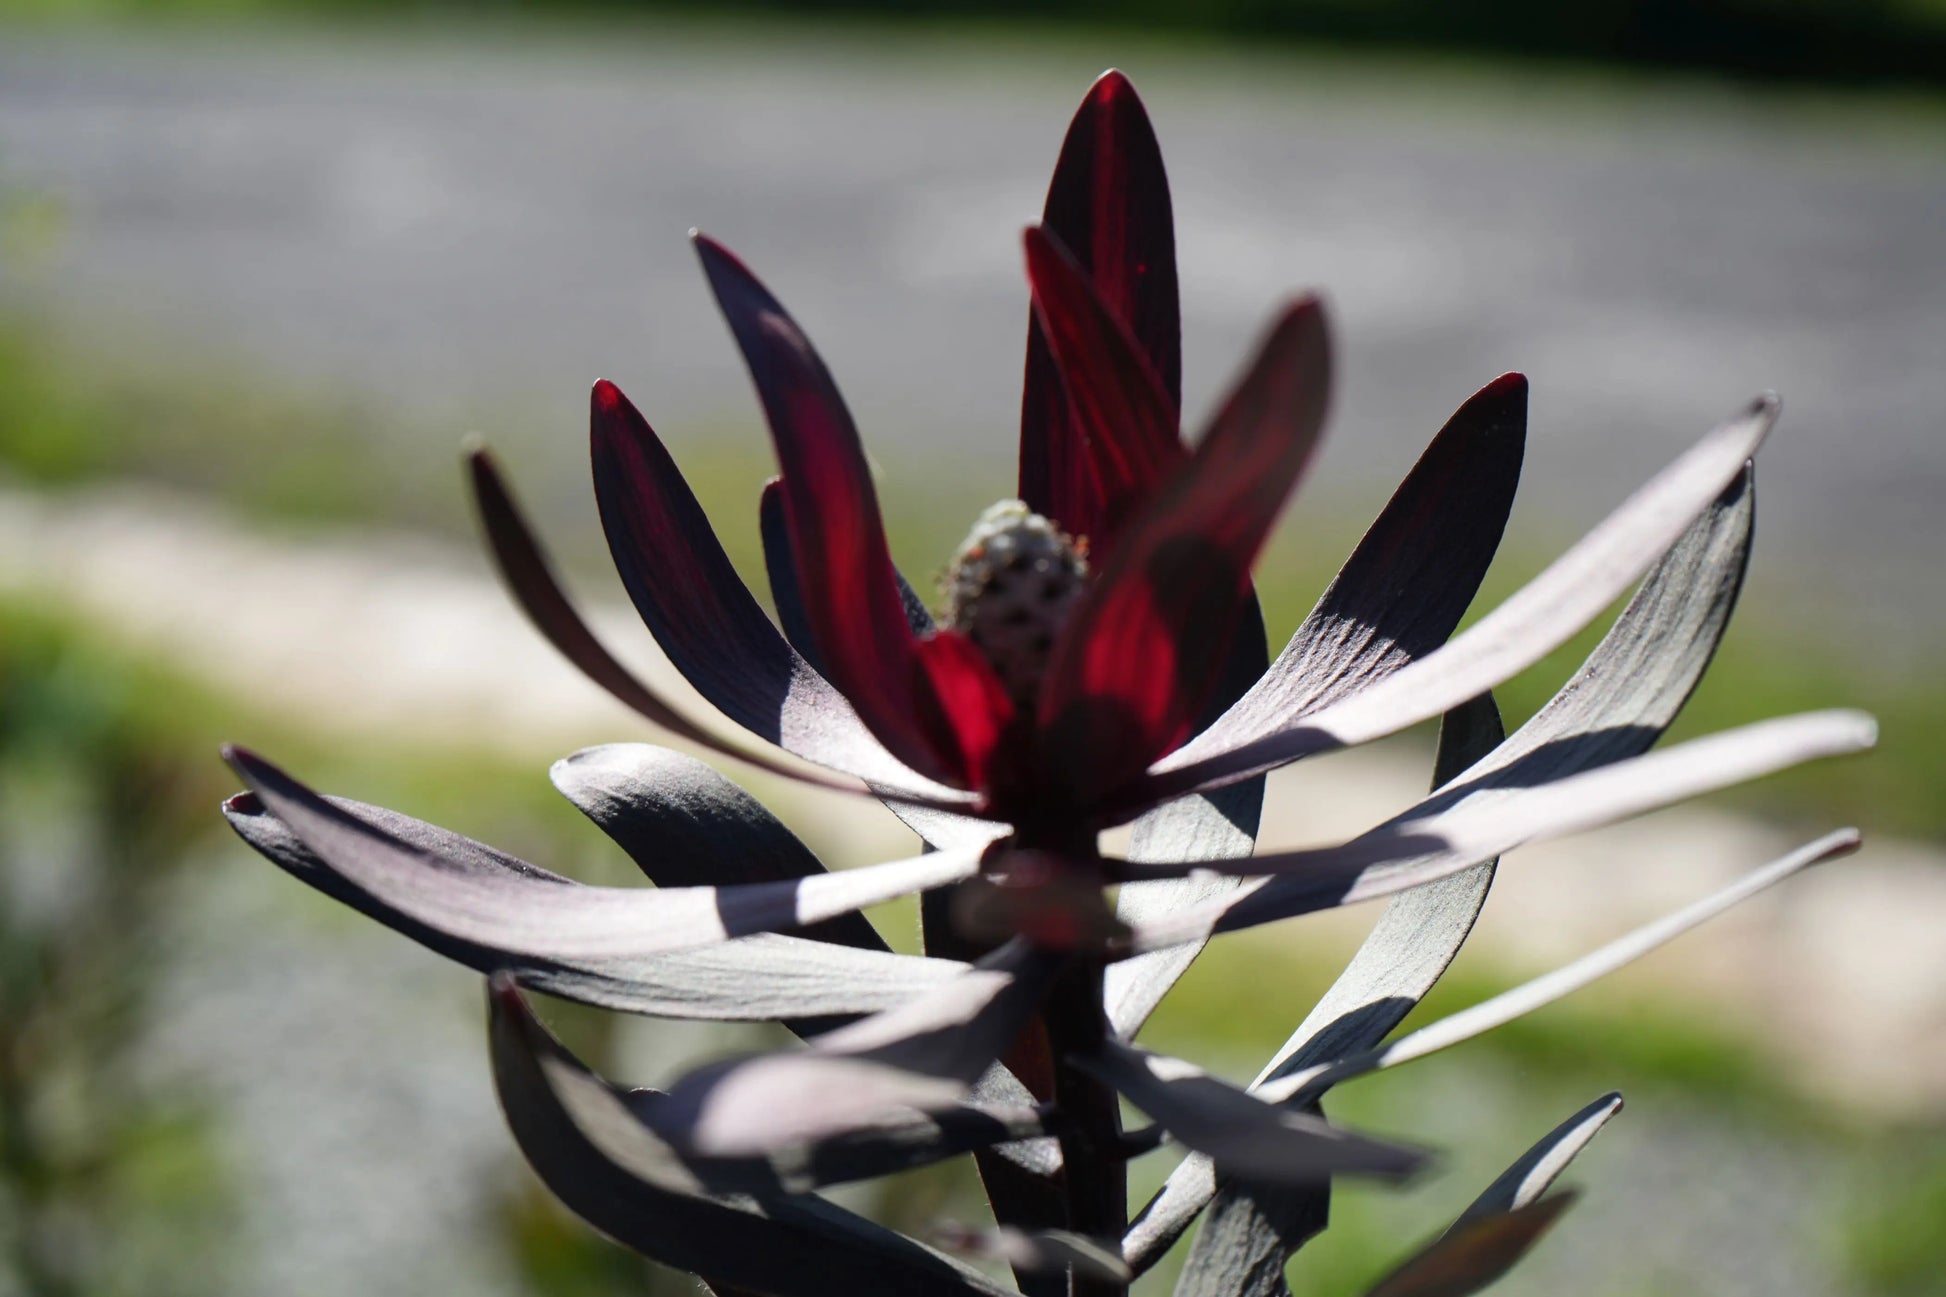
x=64 y=426
x=1822 y=41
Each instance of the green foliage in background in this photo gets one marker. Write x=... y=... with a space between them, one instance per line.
x=1834 y=41
x=108 y=1184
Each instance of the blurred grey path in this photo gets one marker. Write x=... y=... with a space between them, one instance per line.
x=473 y=228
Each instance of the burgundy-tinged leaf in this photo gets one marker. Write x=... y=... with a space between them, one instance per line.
x=575 y=922
x=754 y=979
x=939 y=828
x=1146 y=644
x=1474 y=1254
x=1123 y=416
x=845 y=577
x=780 y=566
x=966 y=697
x=1240 y=1133
x=829 y=731
x=1527 y=626
x=676 y=573
x=922 y=1056
x=606 y=1166
x=1109 y=205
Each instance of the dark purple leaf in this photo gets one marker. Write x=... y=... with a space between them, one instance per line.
x=1474 y=1253
x=1238 y=1132
x=1482 y=822
x=574 y=922
x=848 y=588
x=687 y=826
x=757 y=978
x=1527 y=626
x=822 y=726
x=610 y=1169
x=1538 y=1168
x=781 y=568
x=921 y=1056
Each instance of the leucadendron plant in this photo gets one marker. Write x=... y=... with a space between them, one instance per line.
x=1100 y=660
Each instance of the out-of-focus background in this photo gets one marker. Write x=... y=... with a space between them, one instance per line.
x=263 y=264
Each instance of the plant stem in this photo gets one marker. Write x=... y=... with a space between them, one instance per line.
x=1095 y=1175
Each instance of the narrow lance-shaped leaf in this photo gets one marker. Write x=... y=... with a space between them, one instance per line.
x=611 y=1170
x=1237 y=1131
x=1487 y=821
x=1534 y=621
x=686 y=825
x=1474 y=1253
x=1192 y=1186
x=1396 y=599
x=1109 y=204
x=918 y=1057
x=704 y=617
x=1538 y=1168
x=1144 y=647
x=530 y=577
x=754 y=979
x=1122 y=413
x=577 y=922
x=1546 y=989
x=847 y=585
x=1254 y=1227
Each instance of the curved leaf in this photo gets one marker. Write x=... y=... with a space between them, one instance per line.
x=1537 y=1169
x=849 y=590
x=921 y=1056
x=611 y=1170
x=753 y=979
x=1524 y=628
x=1474 y=1253
x=1474 y=823
x=530 y=577
x=686 y=825
x=574 y=922
x=1237 y=1131
x=1109 y=205
x=1145 y=646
